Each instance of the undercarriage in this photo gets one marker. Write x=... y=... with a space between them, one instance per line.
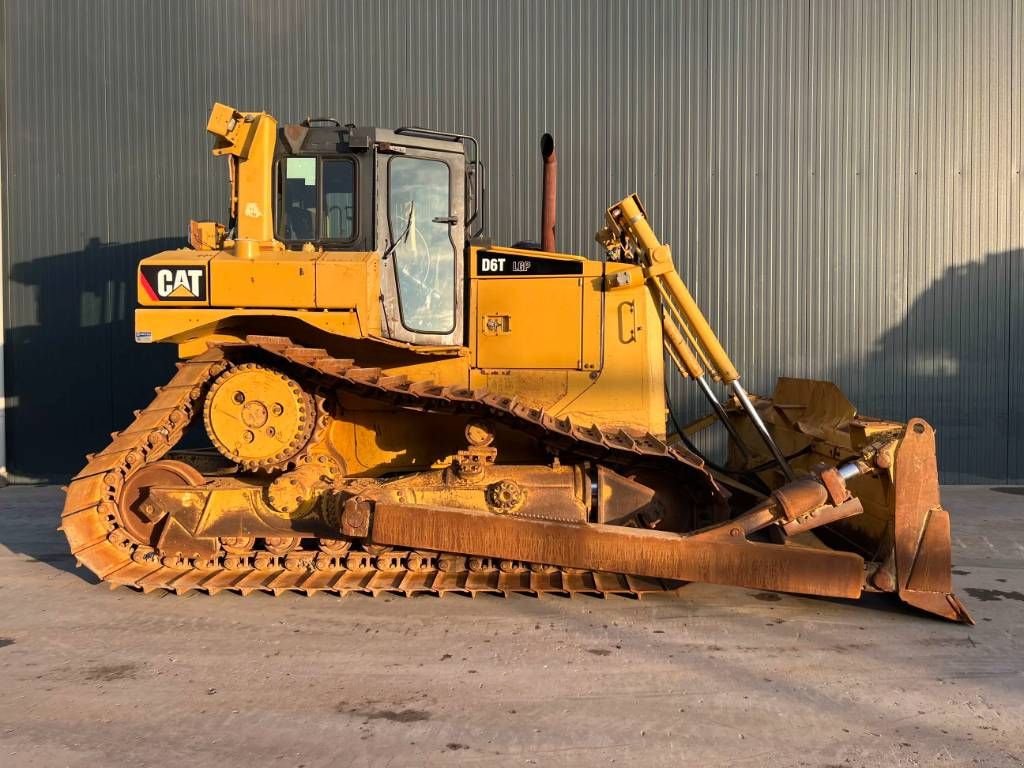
x=577 y=509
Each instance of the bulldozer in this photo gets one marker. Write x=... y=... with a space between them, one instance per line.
x=374 y=397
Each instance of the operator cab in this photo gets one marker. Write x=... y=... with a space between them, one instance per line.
x=412 y=195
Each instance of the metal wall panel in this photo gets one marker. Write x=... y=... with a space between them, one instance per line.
x=841 y=181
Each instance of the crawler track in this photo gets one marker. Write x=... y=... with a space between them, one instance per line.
x=99 y=542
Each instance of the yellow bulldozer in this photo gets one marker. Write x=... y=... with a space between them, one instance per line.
x=373 y=397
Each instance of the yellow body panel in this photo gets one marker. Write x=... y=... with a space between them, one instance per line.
x=274 y=278
x=591 y=320
x=588 y=345
x=630 y=388
x=542 y=321
x=193 y=329
x=351 y=281
x=511 y=332
x=280 y=279
x=571 y=344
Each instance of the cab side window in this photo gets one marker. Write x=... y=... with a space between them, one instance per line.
x=300 y=184
x=339 y=199
x=317 y=199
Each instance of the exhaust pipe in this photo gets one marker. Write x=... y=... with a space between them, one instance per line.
x=549 y=197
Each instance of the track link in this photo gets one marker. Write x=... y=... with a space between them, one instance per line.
x=100 y=543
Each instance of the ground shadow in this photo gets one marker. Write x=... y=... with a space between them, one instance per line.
x=28 y=527
x=1013 y=490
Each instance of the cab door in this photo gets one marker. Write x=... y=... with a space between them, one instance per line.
x=421 y=233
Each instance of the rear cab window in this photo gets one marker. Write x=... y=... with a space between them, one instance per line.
x=316 y=200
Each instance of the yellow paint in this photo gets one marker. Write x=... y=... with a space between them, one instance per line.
x=543 y=319
x=256 y=413
x=589 y=345
x=248 y=139
x=613 y=364
x=205 y=235
x=543 y=386
x=629 y=390
x=591 y=321
x=280 y=279
x=350 y=281
x=198 y=326
x=628 y=217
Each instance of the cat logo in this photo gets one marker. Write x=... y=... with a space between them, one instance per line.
x=168 y=282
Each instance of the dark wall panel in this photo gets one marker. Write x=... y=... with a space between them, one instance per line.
x=841 y=181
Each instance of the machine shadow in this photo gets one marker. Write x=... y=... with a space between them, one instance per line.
x=28 y=527
x=950 y=361
x=76 y=374
x=1013 y=490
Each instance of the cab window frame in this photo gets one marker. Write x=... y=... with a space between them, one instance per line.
x=320 y=222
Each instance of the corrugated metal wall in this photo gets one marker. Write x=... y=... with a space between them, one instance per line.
x=841 y=181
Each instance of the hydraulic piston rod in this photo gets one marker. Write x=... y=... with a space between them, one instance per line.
x=755 y=418
x=627 y=221
x=688 y=365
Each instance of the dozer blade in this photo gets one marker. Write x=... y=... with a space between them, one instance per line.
x=922 y=550
x=904 y=532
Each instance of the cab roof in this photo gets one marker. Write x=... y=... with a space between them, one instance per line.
x=306 y=138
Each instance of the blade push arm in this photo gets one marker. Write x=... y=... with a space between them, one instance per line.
x=689 y=338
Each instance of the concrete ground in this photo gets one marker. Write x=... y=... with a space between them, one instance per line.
x=715 y=677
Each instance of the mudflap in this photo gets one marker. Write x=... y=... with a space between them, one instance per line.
x=921 y=542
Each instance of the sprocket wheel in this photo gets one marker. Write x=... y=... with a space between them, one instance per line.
x=258 y=417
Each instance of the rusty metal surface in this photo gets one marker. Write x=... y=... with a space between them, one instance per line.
x=549 y=193
x=903 y=529
x=535 y=491
x=816 y=518
x=800 y=496
x=722 y=559
x=138 y=513
x=922 y=552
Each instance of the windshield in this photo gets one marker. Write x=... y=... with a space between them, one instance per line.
x=424 y=255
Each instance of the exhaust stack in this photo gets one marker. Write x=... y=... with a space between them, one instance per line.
x=549 y=196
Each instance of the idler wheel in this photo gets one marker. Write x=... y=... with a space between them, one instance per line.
x=258 y=417
x=134 y=512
